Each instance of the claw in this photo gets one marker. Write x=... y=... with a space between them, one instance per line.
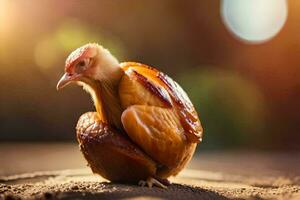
x=151 y=182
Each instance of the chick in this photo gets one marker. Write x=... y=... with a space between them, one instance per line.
x=145 y=128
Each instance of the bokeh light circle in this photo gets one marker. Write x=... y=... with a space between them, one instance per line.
x=254 y=20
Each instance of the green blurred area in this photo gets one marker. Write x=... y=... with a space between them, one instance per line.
x=247 y=96
x=231 y=107
x=68 y=36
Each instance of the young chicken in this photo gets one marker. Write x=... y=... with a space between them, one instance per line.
x=145 y=129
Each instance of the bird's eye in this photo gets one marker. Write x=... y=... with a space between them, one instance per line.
x=83 y=63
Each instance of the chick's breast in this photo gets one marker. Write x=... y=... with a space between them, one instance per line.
x=160 y=121
x=110 y=153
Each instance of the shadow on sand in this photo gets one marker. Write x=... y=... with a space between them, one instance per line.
x=121 y=191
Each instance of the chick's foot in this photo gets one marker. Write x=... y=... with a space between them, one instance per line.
x=151 y=182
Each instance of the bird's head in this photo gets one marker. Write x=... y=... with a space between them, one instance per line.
x=88 y=64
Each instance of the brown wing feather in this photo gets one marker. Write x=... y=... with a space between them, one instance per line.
x=170 y=94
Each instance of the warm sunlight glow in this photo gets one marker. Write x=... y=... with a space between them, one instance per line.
x=254 y=20
x=2 y=12
x=6 y=12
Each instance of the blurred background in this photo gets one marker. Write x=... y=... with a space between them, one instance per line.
x=239 y=62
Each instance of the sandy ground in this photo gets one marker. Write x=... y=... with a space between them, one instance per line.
x=210 y=175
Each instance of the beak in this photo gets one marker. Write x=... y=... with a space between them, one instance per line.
x=66 y=79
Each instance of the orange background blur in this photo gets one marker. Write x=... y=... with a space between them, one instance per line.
x=247 y=95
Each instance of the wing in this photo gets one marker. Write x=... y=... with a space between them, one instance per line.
x=157 y=89
x=158 y=116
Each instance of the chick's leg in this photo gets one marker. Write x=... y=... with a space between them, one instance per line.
x=159 y=133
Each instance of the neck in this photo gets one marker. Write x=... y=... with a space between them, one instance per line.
x=108 y=101
x=104 y=91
